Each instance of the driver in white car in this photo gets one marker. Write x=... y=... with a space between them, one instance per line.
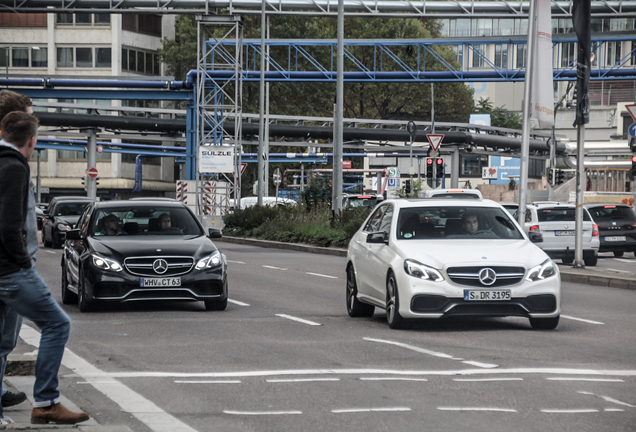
x=470 y=223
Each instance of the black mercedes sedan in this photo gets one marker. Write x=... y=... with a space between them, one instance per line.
x=130 y=251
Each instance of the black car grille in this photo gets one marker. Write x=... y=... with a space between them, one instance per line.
x=542 y=303
x=469 y=276
x=145 y=266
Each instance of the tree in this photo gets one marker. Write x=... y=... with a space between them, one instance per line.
x=499 y=117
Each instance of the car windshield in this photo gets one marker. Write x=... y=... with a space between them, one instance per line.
x=144 y=221
x=559 y=214
x=455 y=196
x=611 y=212
x=70 y=209
x=456 y=223
x=360 y=201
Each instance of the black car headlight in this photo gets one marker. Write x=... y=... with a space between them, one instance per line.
x=63 y=227
x=210 y=261
x=106 y=263
x=542 y=271
x=419 y=270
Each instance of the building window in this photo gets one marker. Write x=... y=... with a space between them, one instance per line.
x=39 y=57
x=501 y=56
x=522 y=50
x=19 y=57
x=613 y=53
x=142 y=23
x=478 y=55
x=82 y=19
x=471 y=165
x=633 y=58
x=83 y=57
x=484 y=27
x=459 y=54
x=23 y=57
x=567 y=53
x=143 y=62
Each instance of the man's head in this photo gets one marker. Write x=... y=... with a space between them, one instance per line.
x=12 y=101
x=165 y=221
x=470 y=223
x=111 y=222
x=21 y=130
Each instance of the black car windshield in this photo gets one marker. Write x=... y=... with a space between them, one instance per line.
x=144 y=221
x=610 y=212
x=456 y=223
x=70 y=208
x=559 y=214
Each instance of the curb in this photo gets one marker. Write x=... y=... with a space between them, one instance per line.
x=568 y=273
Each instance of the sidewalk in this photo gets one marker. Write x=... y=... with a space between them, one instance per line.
x=589 y=276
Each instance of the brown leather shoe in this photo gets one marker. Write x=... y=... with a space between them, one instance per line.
x=57 y=414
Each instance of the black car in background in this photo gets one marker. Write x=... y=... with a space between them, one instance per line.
x=616 y=225
x=60 y=216
x=131 y=251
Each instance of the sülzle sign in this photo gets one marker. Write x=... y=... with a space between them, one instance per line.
x=216 y=159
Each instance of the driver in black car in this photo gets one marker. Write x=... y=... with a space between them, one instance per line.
x=470 y=223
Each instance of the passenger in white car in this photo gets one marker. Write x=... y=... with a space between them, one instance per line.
x=470 y=223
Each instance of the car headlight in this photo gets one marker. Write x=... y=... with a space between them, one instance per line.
x=542 y=271
x=419 y=270
x=209 y=261
x=106 y=263
x=63 y=227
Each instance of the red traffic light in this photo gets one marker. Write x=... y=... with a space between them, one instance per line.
x=429 y=161
x=634 y=159
x=440 y=161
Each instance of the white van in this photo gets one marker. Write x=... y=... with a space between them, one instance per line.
x=451 y=193
x=270 y=201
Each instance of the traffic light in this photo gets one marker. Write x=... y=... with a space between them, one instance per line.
x=407 y=187
x=551 y=176
x=632 y=172
x=429 y=167
x=559 y=176
x=439 y=168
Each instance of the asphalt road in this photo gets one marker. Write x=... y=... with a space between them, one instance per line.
x=285 y=356
x=624 y=264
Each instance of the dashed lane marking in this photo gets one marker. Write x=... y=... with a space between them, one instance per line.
x=51 y=252
x=274 y=268
x=392 y=379
x=569 y=411
x=131 y=402
x=582 y=320
x=235 y=262
x=367 y=410
x=585 y=379
x=294 y=380
x=608 y=399
x=300 y=320
x=322 y=275
x=432 y=353
x=508 y=410
x=486 y=379
x=238 y=303
x=207 y=382
x=255 y=413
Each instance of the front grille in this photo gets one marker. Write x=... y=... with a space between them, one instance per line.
x=143 y=266
x=469 y=276
x=542 y=303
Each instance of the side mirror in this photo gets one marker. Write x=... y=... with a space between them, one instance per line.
x=377 y=237
x=214 y=233
x=73 y=234
x=535 y=237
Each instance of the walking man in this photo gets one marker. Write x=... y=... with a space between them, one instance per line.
x=20 y=286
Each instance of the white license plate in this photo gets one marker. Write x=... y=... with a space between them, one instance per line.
x=564 y=233
x=482 y=295
x=160 y=282
x=616 y=238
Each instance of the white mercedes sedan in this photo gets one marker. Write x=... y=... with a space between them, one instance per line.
x=433 y=258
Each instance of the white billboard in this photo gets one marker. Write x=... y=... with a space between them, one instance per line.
x=216 y=159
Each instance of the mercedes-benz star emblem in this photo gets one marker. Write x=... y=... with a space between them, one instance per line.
x=487 y=276
x=160 y=266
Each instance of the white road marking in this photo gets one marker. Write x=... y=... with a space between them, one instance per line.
x=581 y=319
x=363 y=410
x=144 y=410
x=586 y=379
x=261 y=412
x=275 y=268
x=476 y=409
x=624 y=260
x=300 y=320
x=322 y=275
x=619 y=271
x=235 y=262
x=392 y=379
x=301 y=380
x=608 y=399
x=207 y=382
x=291 y=372
x=238 y=303
x=613 y=410
x=486 y=379
x=429 y=352
x=569 y=411
x=51 y=252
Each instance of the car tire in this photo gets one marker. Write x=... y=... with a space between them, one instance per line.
x=393 y=317
x=82 y=301
x=544 y=323
x=618 y=254
x=590 y=260
x=568 y=260
x=68 y=297
x=356 y=308
x=44 y=242
x=215 y=305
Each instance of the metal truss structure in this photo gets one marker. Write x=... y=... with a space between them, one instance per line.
x=408 y=60
x=369 y=8
x=218 y=103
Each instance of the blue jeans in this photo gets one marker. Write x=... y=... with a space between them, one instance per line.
x=27 y=294
x=10 y=324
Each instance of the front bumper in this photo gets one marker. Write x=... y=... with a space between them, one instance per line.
x=425 y=299
x=196 y=285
